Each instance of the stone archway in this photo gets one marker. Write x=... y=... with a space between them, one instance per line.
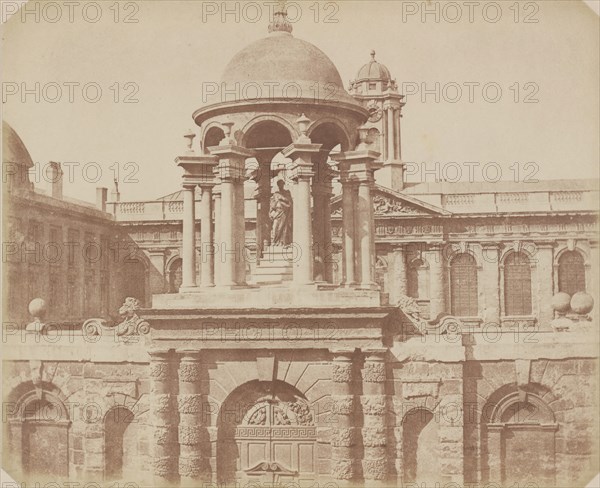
x=419 y=447
x=266 y=435
x=519 y=438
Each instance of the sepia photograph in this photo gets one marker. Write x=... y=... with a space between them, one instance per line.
x=300 y=244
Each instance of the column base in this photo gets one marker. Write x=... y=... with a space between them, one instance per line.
x=190 y=289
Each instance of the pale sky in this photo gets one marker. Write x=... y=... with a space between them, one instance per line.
x=172 y=50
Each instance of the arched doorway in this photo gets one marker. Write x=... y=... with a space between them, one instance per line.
x=419 y=447
x=45 y=438
x=267 y=435
x=519 y=436
x=120 y=444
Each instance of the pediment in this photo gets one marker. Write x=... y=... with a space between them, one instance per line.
x=388 y=203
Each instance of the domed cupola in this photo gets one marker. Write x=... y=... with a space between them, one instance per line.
x=372 y=78
x=280 y=70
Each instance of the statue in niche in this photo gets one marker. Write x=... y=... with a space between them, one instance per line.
x=281 y=216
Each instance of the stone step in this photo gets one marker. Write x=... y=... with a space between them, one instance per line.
x=272 y=270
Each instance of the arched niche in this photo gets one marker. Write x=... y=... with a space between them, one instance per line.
x=519 y=438
x=38 y=433
x=419 y=446
x=266 y=434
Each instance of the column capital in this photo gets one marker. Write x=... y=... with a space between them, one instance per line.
x=198 y=168
x=301 y=150
x=358 y=165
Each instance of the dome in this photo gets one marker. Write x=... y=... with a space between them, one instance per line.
x=373 y=70
x=282 y=66
x=13 y=149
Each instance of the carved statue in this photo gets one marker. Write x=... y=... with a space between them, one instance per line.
x=281 y=216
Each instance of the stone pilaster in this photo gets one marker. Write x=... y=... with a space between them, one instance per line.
x=343 y=436
x=189 y=237
x=163 y=419
x=189 y=404
x=437 y=281
x=544 y=290
x=374 y=431
x=491 y=283
x=397 y=274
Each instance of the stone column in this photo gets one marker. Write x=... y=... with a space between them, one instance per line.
x=545 y=283
x=437 y=281
x=491 y=282
x=189 y=402
x=301 y=154
x=207 y=276
x=188 y=270
x=349 y=234
x=397 y=275
x=217 y=234
x=343 y=435
x=322 y=191
x=366 y=233
x=494 y=433
x=232 y=230
x=163 y=415
x=374 y=432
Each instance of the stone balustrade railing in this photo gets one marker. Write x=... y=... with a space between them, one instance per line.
x=545 y=201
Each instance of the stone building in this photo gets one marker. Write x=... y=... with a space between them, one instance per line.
x=408 y=333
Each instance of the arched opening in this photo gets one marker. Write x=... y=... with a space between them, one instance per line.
x=329 y=135
x=571 y=272
x=120 y=445
x=45 y=438
x=175 y=276
x=266 y=434
x=463 y=286
x=419 y=446
x=267 y=133
x=213 y=137
x=517 y=284
x=519 y=440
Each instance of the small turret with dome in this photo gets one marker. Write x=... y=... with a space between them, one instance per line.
x=375 y=89
x=372 y=78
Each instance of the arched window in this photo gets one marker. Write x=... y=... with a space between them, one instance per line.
x=571 y=273
x=463 y=286
x=517 y=284
x=175 y=277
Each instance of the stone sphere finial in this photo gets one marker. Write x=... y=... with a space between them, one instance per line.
x=582 y=303
x=561 y=302
x=38 y=308
x=372 y=54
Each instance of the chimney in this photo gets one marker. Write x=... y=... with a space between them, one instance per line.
x=54 y=176
x=101 y=197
